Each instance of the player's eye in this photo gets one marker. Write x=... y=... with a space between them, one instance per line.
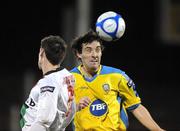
x=88 y=50
x=98 y=49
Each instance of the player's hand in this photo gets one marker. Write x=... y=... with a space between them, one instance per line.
x=84 y=102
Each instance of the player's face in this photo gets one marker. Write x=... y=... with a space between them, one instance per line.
x=40 y=58
x=91 y=55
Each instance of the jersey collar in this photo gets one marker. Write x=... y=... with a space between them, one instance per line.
x=98 y=72
x=52 y=71
x=86 y=78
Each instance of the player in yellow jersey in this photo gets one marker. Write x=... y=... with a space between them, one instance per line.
x=103 y=93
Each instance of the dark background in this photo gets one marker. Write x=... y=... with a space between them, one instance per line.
x=149 y=59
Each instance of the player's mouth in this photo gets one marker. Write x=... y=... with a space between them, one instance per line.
x=94 y=61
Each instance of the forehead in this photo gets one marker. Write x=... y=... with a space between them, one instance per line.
x=92 y=44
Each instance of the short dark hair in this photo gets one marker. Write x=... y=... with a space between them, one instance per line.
x=88 y=37
x=55 y=48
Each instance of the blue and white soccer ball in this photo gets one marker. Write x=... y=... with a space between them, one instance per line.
x=110 y=26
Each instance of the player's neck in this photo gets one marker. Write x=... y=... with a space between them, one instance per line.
x=87 y=72
x=49 y=67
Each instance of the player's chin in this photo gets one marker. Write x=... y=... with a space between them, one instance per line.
x=39 y=66
x=95 y=66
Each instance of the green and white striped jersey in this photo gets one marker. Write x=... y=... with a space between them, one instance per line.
x=51 y=102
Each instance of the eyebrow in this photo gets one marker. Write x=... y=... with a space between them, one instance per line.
x=91 y=47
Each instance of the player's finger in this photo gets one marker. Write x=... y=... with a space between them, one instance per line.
x=86 y=101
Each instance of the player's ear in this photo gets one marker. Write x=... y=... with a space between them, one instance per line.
x=78 y=55
x=41 y=51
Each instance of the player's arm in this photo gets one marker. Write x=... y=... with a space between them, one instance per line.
x=47 y=104
x=70 y=103
x=133 y=104
x=127 y=91
x=37 y=127
x=68 y=118
x=143 y=115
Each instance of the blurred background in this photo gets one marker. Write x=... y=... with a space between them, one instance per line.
x=149 y=51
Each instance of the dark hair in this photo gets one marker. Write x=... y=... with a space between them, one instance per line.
x=55 y=49
x=88 y=37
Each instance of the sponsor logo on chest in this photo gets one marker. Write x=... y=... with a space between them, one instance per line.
x=98 y=108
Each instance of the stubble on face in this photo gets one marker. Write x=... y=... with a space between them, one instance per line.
x=91 y=56
x=40 y=60
x=39 y=66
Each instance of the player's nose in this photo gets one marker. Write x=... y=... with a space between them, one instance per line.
x=94 y=53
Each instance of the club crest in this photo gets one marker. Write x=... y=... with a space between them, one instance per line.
x=106 y=88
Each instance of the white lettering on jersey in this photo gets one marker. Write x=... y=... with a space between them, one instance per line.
x=98 y=107
x=47 y=88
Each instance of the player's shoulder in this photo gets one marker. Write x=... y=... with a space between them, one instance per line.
x=75 y=70
x=50 y=78
x=59 y=74
x=43 y=81
x=64 y=72
x=110 y=70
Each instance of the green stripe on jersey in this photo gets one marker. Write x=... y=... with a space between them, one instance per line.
x=22 y=113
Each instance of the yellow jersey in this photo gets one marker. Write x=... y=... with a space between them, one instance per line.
x=111 y=92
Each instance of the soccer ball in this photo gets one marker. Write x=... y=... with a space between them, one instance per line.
x=110 y=26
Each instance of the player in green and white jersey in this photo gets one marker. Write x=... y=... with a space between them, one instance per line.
x=50 y=106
